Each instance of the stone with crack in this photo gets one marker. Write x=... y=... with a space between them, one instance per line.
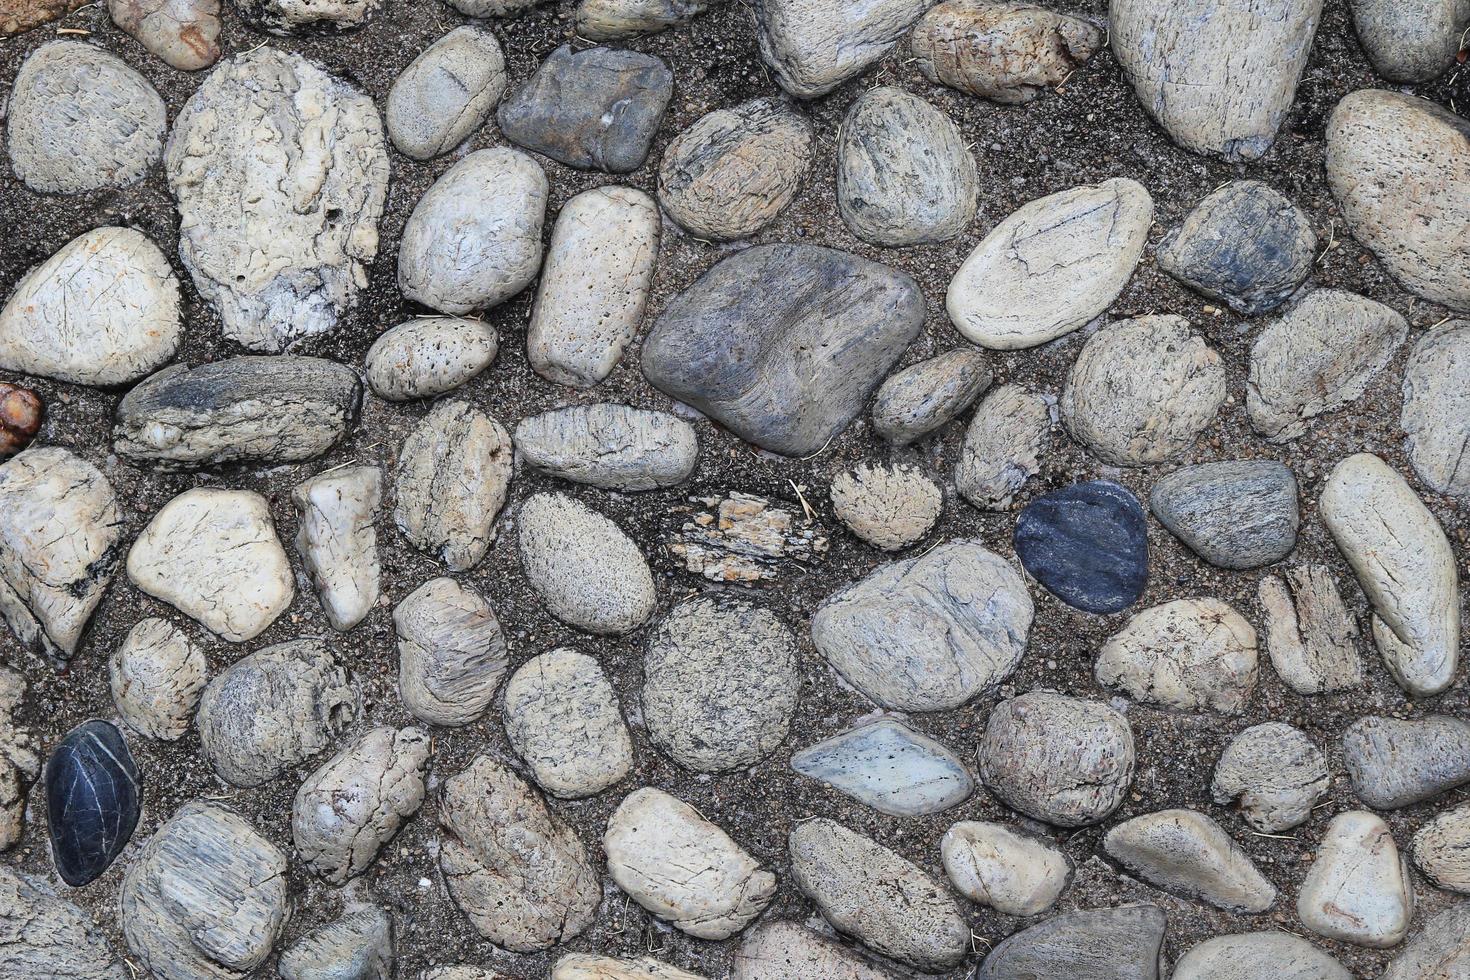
x=1441 y=850
x=1278 y=955
x=1186 y=853
x=357 y=946
x=1002 y=447
x=1188 y=654
x=428 y=356
x=779 y=950
x=1440 y=949
x=615 y=447
x=812 y=46
x=1311 y=636
x=157 y=676
x=888 y=766
x=20 y=762
x=1009 y=871
x=451 y=653
x=1274 y=774
x=446 y=93
x=1358 y=889
x=93 y=800
x=611 y=20
x=1436 y=413
x=1124 y=943
x=562 y=719
x=1237 y=514
x=584 y=966
x=590 y=574
x=925 y=396
x=743 y=538
x=45 y=937
x=1396 y=763
x=890 y=507
x=337 y=541
x=1411 y=40
x=183 y=34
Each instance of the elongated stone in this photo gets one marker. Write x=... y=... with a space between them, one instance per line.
x=922 y=397
x=44 y=937
x=610 y=20
x=888 y=767
x=1189 y=654
x=787 y=951
x=1005 y=870
x=1187 y=853
x=93 y=801
x=1278 y=955
x=1436 y=413
x=1087 y=544
x=584 y=966
x=1310 y=635
x=812 y=46
x=20 y=762
x=428 y=356
x=1006 y=52
x=1395 y=763
x=1238 y=514
x=614 y=447
x=590 y=574
x=157 y=676
x=1098 y=944
x=562 y=719
x=446 y=93
x=1358 y=889
x=337 y=541
x=1274 y=773
x=184 y=34
x=358 y=946
x=740 y=537
x=1002 y=447
x=451 y=652
x=287 y=17
x=1411 y=40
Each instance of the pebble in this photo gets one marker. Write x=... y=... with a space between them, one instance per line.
x=1002 y=447
x=928 y=633
x=1310 y=635
x=1142 y=390
x=1087 y=544
x=890 y=507
x=611 y=20
x=103 y=310
x=271 y=410
x=1051 y=266
x=880 y=899
x=156 y=676
x=777 y=950
x=1404 y=564
x=923 y=397
x=20 y=762
x=1253 y=955
x=357 y=946
x=735 y=170
x=354 y=803
x=1274 y=774
x=1239 y=514
x=1006 y=52
x=562 y=718
x=595 y=286
x=213 y=554
x=519 y=874
x=887 y=766
x=812 y=46
x=1436 y=413
x=1411 y=40
x=446 y=93
x=337 y=541
x=183 y=34
x=451 y=653
x=452 y=479
x=21 y=413
x=47 y=937
x=654 y=842
x=272 y=137
x=583 y=966
x=596 y=109
x=1440 y=949
x=586 y=570
x=1442 y=850
x=1188 y=854
x=429 y=356
x=1189 y=654
x=614 y=447
x=905 y=175
x=273 y=710
x=284 y=18
x=1097 y=944
x=744 y=538
x=93 y=800
x=1395 y=763
x=206 y=897
x=1056 y=758
x=1357 y=889
x=1002 y=869
x=783 y=344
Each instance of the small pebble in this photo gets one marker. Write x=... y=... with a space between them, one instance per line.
x=889 y=767
x=21 y=412
x=890 y=507
x=923 y=397
x=429 y=356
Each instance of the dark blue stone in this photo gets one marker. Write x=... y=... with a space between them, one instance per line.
x=91 y=800
x=1088 y=544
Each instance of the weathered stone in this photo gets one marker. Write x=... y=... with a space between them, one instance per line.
x=1087 y=544
x=1239 y=514
x=1007 y=52
x=493 y=8
x=786 y=951
x=1251 y=955
x=922 y=397
x=1101 y=944
x=451 y=653
x=19 y=16
x=21 y=413
x=1411 y=40
x=1436 y=414
x=562 y=719
x=156 y=676
x=93 y=800
x=609 y=20
x=446 y=93
x=589 y=573
x=1188 y=854
x=1274 y=773
x=286 y=17
x=428 y=356
x=1441 y=949
x=583 y=966
x=184 y=34
x=1395 y=763
x=337 y=541
x=462 y=973
x=812 y=46
x=43 y=937
x=1002 y=447
x=1310 y=635
x=997 y=867
x=890 y=507
x=614 y=447
x=1357 y=889
x=744 y=538
x=358 y=946
x=1189 y=654
x=20 y=765
x=1442 y=850
x=888 y=767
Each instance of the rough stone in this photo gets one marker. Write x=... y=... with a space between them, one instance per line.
x=1100 y=944
x=1411 y=40
x=1278 y=955
x=43 y=937
x=1274 y=774
x=1087 y=544
x=744 y=538
x=887 y=766
x=1188 y=654
x=1440 y=949
x=1436 y=413
x=589 y=573
x=562 y=719
x=614 y=447
x=584 y=966
x=183 y=34
x=610 y=20
x=1006 y=52
x=812 y=46
x=287 y=17
x=923 y=397
x=890 y=507
x=428 y=356
x=1395 y=763
x=357 y=946
x=1011 y=872
x=1310 y=635
x=451 y=653
x=1441 y=849
x=1357 y=889
x=446 y=93
x=1239 y=514
x=93 y=800
x=19 y=16
x=337 y=541
x=1002 y=447
x=20 y=765
x=156 y=676
x=787 y=951
x=493 y=8
x=1188 y=854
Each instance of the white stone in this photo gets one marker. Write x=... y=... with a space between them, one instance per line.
x=446 y=93
x=156 y=676
x=1013 y=873
x=1189 y=654
x=1187 y=853
x=1436 y=414
x=1002 y=447
x=451 y=652
x=787 y=951
x=615 y=447
x=1310 y=634
x=582 y=966
x=337 y=541
x=1357 y=889
x=888 y=767
x=1274 y=773
x=890 y=507
x=812 y=46
x=428 y=356
x=562 y=719
x=1257 y=956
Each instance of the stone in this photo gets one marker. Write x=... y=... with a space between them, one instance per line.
x=879 y=898
x=461 y=973
x=928 y=633
x=1244 y=245
x=1002 y=447
x=583 y=966
x=1279 y=955
x=1441 y=849
x=1226 y=107
x=19 y=16
x=997 y=867
x=1411 y=40
x=50 y=583
x=783 y=344
x=1404 y=563
x=270 y=410
x=887 y=766
x=611 y=20
x=1357 y=889
x=1436 y=413
x=1310 y=635
x=451 y=653
x=1239 y=514
x=1186 y=853
x=21 y=412
x=280 y=172
x=183 y=34
x=563 y=720
x=1006 y=52
x=921 y=398
x=812 y=46
x=520 y=875
x=429 y=356
x=1274 y=774
x=104 y=311
x=1188 y=654
x=45 y=937
x=273 y=710
x=596 y=109
x=1051 y=266
x=157 y=676
x=474 y=239
x=890 y=507
x=614 y=447
x=20 y=764
x=337 y=541
x=353 y=805
x=905 y=175
x=446 y=93
x=741 y=537
x=1396 y=763
x=734 y=170
x=595 y=286
x=1099 y=944
x=493 y=8
x=1087 y=544
x=357 y=946
x=1056 y=758
x=1317 y=358
x=1141 y=391
x=205 y=897
x=93 y=801
x=590 y=574
x=1440 y=949
x=287 y=17
x=452 y=479
x=787 y=951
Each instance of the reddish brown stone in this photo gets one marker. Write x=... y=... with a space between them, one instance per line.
x=22 y=15
x=21 y=411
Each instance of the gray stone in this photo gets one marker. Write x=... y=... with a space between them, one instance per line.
x=286 y=17
x=446 y=93
x=787 y=951
x=1188 y=854
x=1411 y=40
x=1441 y=949
x=1008 y=871
x=1357 y=889
x=562 y=719
x=1002 y=447
x=462 y=973
x=887 y=766
x=357 y=946
x=589 y=573
x=337 y=541
x=890 y=507
x=183 y=34
x=1441 y=849
x=1255 y=955
x=922 y=397
x=1274 y=774
x=1100 y=944
x=584 y=966
x=745 y=538
x=44 y=937
x=1006 y=52
x=1188 y=654
x=1238 y=514
x=812 y=46
x=428 y=356
x=20 y=765
x=609 y=20
x=451 y=653
x=157 y=676
x=614 y=447
x=493 y=8
x=1436 y=413
x=1310 y=634
x=1396 y=763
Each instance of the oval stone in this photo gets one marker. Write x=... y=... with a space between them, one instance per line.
x=1094 y=944
x=1006 y=52
x=1011 y=872
x=451 y=652
x=1002 y=447
x=922 y=397
x=562 y=718
x=92 y=801
x=614 y=447
x=1278 y=955
x=1238 y=514
x=446 y=93
x=1087 y=544
x=1411 y=40
x=1436 y=413
x=428 y=356
x=1189 y=654
x=588 y=572
x=156 y=676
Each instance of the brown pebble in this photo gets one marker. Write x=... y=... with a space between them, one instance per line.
x=21 y=411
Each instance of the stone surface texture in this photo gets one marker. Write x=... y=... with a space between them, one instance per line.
x=890 y=507
x=590 y=574
x=446 y=93
x=613 y=447
x=563 y=720
x=923 y=397
x=1011 y=872
x=1006 y=52
x=1188 y=654
x=1358 y=888
x=1238 y=514
x=1311 y=636
x=157 y=676
x=337 y=540
x=429 y=356
x=184 y=34
x=451 y=652
x=1274 y=773
x=44 y=936
x=1436 y=413
x=812 y=46
x=1187 y=853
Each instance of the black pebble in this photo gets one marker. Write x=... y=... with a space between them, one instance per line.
x=1088 y=544
x=91 y=800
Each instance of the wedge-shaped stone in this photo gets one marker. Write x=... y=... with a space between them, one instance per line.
x=1189 y=654
x=1237 y=514
x=1002 y=447
x=1436 y=414
x=1008 y=871
x=888 y=767
x=1278 y=955
x=614 y=447
x=787 y=951
x=1396 y=763
x=48 y=938
x=1357 y=889
x=451 y=652
x=157 y=676
x=1187 y=853
x=1310 y=634
x=1100 y=944
x=563 y=720
x=93 y=800
x=337 y=541
x=1276 y=775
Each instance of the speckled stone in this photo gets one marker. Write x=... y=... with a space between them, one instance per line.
x=1194 y=654
x=890 y=507
x=1239 y=514
x=1358 y=889
x=428 y=356
x=1274 y=774
x=562 y=718
x=923 y=397
x=1087 y=544
x=590 y=574
x=1396 y=763
x=1411 y=40
x=1436 y=413
x=887 y=766
x=1252 y=955
x=93 y=801
x=20 y=761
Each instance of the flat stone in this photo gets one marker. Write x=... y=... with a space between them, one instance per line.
x=583 y=966
x=183 y=34
x=890 y=507
x=563 y=720
x=786 y=951
x=1006 y=52
x=20 y=765
x=783 y=344
x=744 y=538
x=596 y=109
x=1239 y=514
x=1051 y=266
x=1002 y=447
x=1011 y=872
x=654 y=843
x=357 y=946
x=446 y=93
x=1396 y=763
x=1440 y=949
x=615 y=447
x=1436 y=413
x=928 y=633
x=451 y=653
x=1186 y=853
x=590 y=574
x=1100 y=944
x=1279 y=955
x=1310 y=634
x=1274 y=773
x=1188 y=654
x=337 y=541
x=610 y=20
x=1087 y=544
x=889 y=767
x=280 y=172
x=1411 y=40
x=157 y=676
x=429 y=356
x=1405 y=565
x=812 y=46
x=923 y=397
x=45 y=937
x=287 y=17
x=93 y=801
x=1441 y=849
x=1357 y=889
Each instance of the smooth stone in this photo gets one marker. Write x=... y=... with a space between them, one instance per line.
x=519 y=874
x=452 y=479
x=1317 y=358
x=1141 y=391
x=1436 y=413
x=887 y=766
x=1099 y=944
x=563 y=720
x=1404 y=563
x=812 y=46
x=614 y=447
x=889 y=507
x=1411 y=40
x=1006 y=52
x=735 y=170
x=248 y=409
x=595 y=286
x=786 y=951
x=1002 y=447
x=451 y=653
x=905 y=175
x=1258 y=955
x=284 y=18
x=1396 y=763
x=1186 y=853
x=783 y=344
x=740 y=537
x=596 y=109
x=1239 y=514
x=21 y=413
x=923 y=397
x=157 y=676
x=474 y=239
x=1056 y=758
x=357 y=946
x=1441 y=849
x=273 y=710
x=338 y=544
x=446 y=93
x=103 y=310
x=1051 y=266
x=653 y=840
x=997 y=867
x=1274 y=774
x=1311 y=636
x=1357 y=889
x=1440 y=950
x=611 y=20
x=48 y=938
x=583 y=966
x=1087 y=544
x=271 y=137
x=93 y=801
x=1188 y=654
x=183 y=34
x=928 y=633
x=20 y=763
x=429 y=356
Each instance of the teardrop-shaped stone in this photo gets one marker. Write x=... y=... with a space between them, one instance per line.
x=91 y=800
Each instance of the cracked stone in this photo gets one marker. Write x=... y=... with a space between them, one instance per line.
x=787 y=951
x=563 y=720
x=451 y=653
x=1396 y=763
x=337 y=541
x=357 y=946
x=44 y=937
x=93 y=801
x=925 y=396
x=446 y=93
x=1186 y=853
x=21 y=414
x=611 y=20
x=1411 y=40
x=1098 y=944
x=1441 y=849
x=1002 y=447
x=589 y=573
x=582 y=966
x=890 y=507
x=1274 y=774
x=1238 y=514
x=1436 y=413
x=1310 y=634
x=1440 y=949
x=428 y=356
x=157 y=676
x=1011 y=872
x=183 y=34
x=887 y=766
x=1357 y=889
x=20 y=765
x=744 y=538
x=1188 y=654
x=615 y=447
x=812 y=46
x=1278 y=955
x=1087 y=544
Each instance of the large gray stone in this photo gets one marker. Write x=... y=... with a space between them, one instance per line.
x=1100 y=944
x=812 y=46
x=451 y=652
x=1396 y=763
x=1411 y=40
x=1188 y=854
x=1436 y=413
x=614 y=447
x=1006 y=52
x=45 y=937
x=446 y=93
x=1239 y=514
x=589 y=573
x=922 y=397
x=1441 y=949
